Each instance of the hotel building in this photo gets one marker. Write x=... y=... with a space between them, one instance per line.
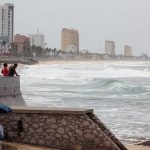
x=69 y=39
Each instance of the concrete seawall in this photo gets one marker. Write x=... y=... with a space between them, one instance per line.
x=10 y=93
x=59 y=128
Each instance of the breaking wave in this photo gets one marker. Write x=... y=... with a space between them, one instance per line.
x=118 y=92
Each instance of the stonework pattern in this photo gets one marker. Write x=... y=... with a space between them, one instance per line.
x=56 y=130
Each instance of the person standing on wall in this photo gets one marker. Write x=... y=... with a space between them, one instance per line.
x=5 y=70
x=12 y=70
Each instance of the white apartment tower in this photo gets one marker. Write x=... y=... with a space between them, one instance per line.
x=110 y=48
x=6 y=25
x=37 y=40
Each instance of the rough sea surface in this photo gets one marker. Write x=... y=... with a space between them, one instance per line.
x=119 y=92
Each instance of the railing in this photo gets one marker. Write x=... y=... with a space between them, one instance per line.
x=9 y=86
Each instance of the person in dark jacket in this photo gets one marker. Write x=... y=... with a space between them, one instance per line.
x=12 y=70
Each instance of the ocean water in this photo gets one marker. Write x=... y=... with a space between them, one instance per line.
x=119 y=92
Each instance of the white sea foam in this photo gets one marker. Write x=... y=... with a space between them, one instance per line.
x=83 y=73
x=118 y=92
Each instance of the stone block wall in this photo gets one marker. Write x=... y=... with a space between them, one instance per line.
x=58 y=128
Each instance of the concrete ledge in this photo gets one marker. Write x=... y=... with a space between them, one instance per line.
x=13 y=100
x=9 y=86
x=41 y=110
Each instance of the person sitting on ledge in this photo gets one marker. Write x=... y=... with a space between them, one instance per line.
x=5 y=70
x=12 y=70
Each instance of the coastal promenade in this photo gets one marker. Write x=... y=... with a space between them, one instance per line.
x=22 y=60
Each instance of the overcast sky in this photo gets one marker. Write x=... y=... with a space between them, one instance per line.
x=124 y=21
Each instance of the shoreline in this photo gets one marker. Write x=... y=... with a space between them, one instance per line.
x=87 y=60
x=137 y=147
x=26 y=61
x=92 y=61
x=58 y=61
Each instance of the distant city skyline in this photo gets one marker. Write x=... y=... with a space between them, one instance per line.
x=125 y=22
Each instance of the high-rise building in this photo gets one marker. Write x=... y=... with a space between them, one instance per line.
x=110 y=48
x=37 y=40
x=6 y=25
x=127 y=50
x=69 y=38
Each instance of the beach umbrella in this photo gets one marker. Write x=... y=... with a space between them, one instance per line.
x=4 y=109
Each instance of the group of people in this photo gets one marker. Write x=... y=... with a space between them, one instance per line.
x=9 y=72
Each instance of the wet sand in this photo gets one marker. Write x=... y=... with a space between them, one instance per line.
x=137 y=147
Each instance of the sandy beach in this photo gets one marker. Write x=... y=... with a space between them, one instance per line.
x=137 y=147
